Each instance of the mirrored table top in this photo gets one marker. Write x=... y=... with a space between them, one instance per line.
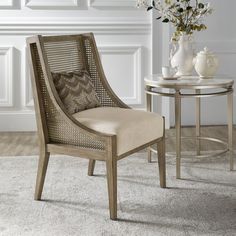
x=189 y=82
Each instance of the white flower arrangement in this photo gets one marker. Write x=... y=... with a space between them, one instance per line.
x=185 y=15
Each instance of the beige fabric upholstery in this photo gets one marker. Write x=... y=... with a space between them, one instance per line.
x=133 y=128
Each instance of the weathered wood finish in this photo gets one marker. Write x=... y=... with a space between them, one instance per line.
x=162 y=162
x=105 y=146
x=76 y=151
x=42 y=169
x=91 y=167
x=111 y=165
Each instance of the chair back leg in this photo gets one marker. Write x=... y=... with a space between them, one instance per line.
x=91 y=167
x=111 y=165
x=162 y=162
x=42 y=169
x=149 y=154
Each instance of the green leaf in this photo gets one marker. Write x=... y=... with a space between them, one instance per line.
x=158 y=18
x=166 y=20
x=149 y=8
x=201 y=5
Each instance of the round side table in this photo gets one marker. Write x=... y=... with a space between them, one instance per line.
x=217 y=86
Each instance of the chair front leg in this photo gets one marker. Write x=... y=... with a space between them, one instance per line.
x=91 y=167
x=111 y=165
x=42 y=169
x=162 y=162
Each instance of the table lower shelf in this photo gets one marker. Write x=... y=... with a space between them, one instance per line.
x=209 y=153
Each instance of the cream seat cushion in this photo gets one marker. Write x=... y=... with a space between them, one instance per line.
x=133 y=128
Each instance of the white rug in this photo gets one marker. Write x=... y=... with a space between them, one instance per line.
x=202 y=203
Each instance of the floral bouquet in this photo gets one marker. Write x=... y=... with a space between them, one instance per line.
x=185 y=15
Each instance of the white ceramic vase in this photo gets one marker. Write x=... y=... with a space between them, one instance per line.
x=182 y=58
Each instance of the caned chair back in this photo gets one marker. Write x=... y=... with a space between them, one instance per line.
x=65 y=53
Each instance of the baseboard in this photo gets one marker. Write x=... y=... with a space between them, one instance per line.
x=17 y=121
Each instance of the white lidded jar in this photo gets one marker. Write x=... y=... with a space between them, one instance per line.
x=206 y=63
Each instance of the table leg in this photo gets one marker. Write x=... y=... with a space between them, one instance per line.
x=178 y=132
x=230 y=128
x=198 y=122
x=149 y=108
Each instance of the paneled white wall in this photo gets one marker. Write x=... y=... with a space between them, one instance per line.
x=122 y=32
x=6 y=67
x=131 y=42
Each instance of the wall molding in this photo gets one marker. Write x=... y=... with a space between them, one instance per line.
x=18 y=121
x=53 y=4
x=28 y=97
x=136 y=52
x=27 y=89
x=6 y=4
x=114 y=27
x=113 y=3
x=7 y=52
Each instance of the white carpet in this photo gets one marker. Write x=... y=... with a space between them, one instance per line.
x=202 y=203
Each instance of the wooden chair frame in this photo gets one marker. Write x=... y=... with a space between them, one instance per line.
x=107 y=151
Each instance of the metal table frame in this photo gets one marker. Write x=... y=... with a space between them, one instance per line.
x=226 y=89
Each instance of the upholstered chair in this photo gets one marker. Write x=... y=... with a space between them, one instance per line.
x=103 y=129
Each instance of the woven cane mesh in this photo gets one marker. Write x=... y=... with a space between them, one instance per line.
x=60 y=130
x=64 y=56
x=96 y=74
